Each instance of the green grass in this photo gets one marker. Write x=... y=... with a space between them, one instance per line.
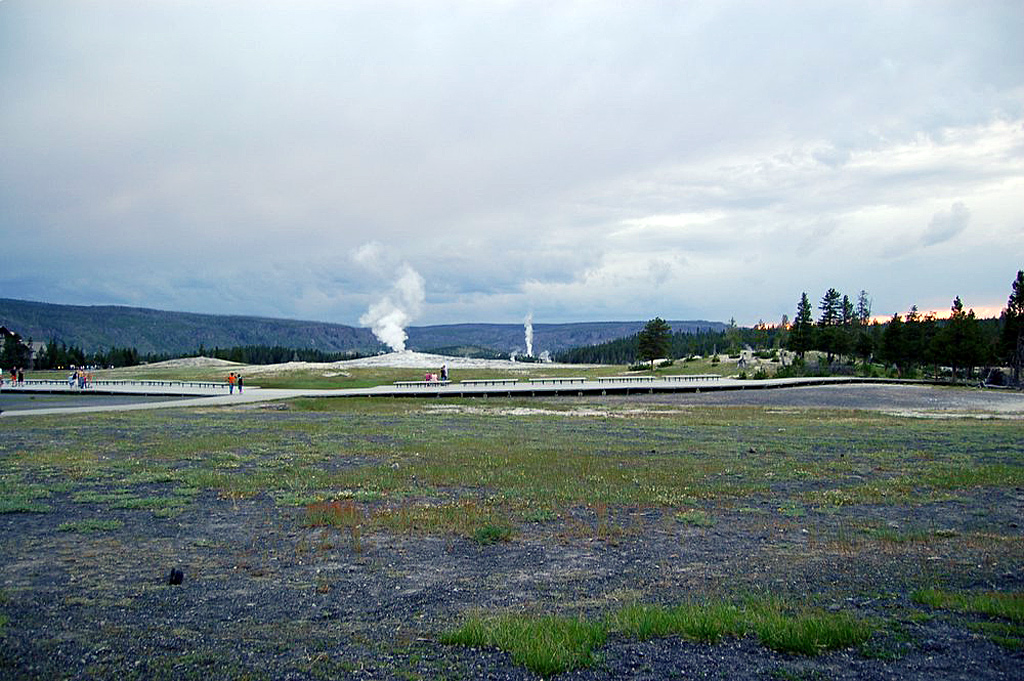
x=492 y=534
x=91 y=525
x=1009 y=636
x=299 y=376
x=699 y=622
x=695 y=517
x=18 y=496
x=549 y=645
x=1005 y=606
x=995 y=604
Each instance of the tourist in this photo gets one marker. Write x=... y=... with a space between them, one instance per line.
x=239 y=384
x=231 y=383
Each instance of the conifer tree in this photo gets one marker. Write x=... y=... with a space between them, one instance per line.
x=1013 y=327
x=801 y=336
x=653 y=340
x=830 y=324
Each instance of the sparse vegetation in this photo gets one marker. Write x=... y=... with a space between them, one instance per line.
x=551 y=645
x=606 y=502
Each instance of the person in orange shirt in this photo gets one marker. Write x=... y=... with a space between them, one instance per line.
x=231 y=383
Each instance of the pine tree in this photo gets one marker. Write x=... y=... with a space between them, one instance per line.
x=653 y=340
x=829 y=324
x=863 y=309
x=893 y=348
x=1013 y=327
x=801 y=336
x=959 y=342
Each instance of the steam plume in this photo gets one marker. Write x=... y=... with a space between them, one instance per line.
x=389 y=316
x=528 y=323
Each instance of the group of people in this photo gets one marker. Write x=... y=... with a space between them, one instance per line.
x=17 y=377
x=443 y=376
x=79 y=377
x=233 y=380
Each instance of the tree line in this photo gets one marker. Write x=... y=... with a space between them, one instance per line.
x=680 y=344
x=58 y=355
x=844 y=333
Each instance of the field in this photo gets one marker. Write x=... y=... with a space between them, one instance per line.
x=774 y=536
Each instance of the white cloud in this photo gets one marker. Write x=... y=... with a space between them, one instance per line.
x=946 y=224
x=595 y=160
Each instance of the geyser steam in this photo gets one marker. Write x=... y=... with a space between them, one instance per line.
x=528 y=323
x=389 y=316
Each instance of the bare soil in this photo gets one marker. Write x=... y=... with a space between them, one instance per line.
x=264 y=597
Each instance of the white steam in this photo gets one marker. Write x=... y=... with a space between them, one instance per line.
x=389 y=316
x=528 y=323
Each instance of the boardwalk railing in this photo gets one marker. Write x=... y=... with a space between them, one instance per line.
x=207 y=385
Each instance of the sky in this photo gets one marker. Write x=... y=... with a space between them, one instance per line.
x=433 y=162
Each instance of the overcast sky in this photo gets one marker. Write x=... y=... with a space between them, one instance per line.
x=481 y=161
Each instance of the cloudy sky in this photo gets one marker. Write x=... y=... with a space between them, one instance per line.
x=480 y=161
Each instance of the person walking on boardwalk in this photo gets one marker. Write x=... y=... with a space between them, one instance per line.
x=231 y=383
x=239 y=384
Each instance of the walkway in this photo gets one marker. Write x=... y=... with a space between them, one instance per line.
x=197 y=394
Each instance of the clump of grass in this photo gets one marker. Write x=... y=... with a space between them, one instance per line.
x=552 y=645
x=344 y=514
x=995 y=604
x=539 y=515
x=1009 y=606
x=700 y=622
x=21 y=503
x=804 y=631
x=1009 y=636
x=546 y=645
x=492 y=534
x=809 y=633
x=91 y=525
x=695 y=517
x=19 y=497
x=463 y=517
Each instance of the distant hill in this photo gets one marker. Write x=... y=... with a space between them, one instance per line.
x=546 y=337
x=100 y=327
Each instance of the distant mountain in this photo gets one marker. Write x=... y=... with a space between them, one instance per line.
x=100 y=327
x=546 y=337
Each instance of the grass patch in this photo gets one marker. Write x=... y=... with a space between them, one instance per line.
x=1006 y=606
x=492 y=534
x=343 y=514
x=550 y=645
x=463 y=517
x=539 y=515
x=810 y=632
x=994 y=604
x=17 y=496
x=91 y=526
x=547 y=645
x=699 y=622
x=695 y=517
x=1009 y=636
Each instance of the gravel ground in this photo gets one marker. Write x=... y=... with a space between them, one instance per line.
x=265 y=598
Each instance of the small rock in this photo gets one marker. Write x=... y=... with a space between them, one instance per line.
x=175 y=577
